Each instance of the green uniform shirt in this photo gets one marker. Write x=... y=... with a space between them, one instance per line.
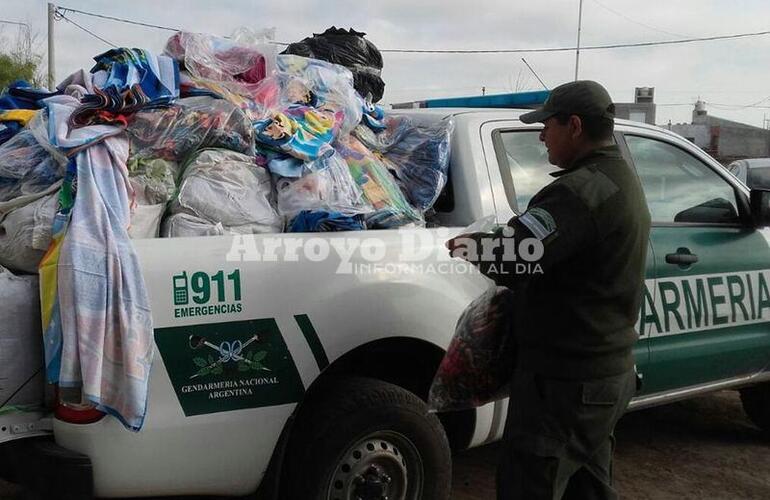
x=576 y=320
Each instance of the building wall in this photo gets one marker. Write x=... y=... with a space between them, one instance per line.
x=698 y=134
x=741 y=142
x=630 y=111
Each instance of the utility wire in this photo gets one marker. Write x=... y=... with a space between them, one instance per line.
x=472 y=51
x=3 y=21
x=620 y=14
x=62 y=16
x=119 y=19
x=590 y=47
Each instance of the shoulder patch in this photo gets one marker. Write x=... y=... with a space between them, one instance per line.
x=539 y=221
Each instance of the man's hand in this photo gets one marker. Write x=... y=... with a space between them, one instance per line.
x=466 y=246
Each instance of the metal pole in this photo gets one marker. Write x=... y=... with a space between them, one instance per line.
x=533 y=72
x=51 y=56
x=577 y=53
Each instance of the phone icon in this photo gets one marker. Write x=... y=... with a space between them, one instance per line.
x=181 y=296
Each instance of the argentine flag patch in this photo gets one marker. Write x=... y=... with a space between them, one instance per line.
x=539 y=222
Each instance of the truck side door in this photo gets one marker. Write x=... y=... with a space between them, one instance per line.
x=518 y=167
x=708 y=313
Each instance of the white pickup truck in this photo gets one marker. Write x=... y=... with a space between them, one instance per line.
x=299 y=364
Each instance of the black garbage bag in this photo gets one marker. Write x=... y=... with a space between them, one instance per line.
x=348 y=48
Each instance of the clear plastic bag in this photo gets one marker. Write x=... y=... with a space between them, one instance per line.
x=328 y=185
x=190 y=124
x=154 y=180
x=26 y=168
x=486 y=224
x=222 y=60
x=226 y=187
x=235 y=69
x=319 y=84
x=391 y=209
x=380 y=141
x=479 y=362
x=420 y=161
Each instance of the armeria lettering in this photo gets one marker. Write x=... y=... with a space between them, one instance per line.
x=705 y=302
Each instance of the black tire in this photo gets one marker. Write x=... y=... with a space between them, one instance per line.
x=756 y=404
x=364 y=438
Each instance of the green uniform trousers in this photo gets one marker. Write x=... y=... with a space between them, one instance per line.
x=558 y=440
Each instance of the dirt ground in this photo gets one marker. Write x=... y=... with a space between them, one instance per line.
x=703 y=448
x=699 y=449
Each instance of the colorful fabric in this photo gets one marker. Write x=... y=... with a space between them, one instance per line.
x=68 y=140
x=126 y=80
x=321 y=221
x=379 y=187
x=231 y=69
x=190 y=124
x=420 y=161
x=26 y=169
x=382 y=140
x=327 y=185
x=96 y=315
x=478 y=365
x=8 y=130
x=373 y=116
x=215 y=58
x=22 y=116
x=315 y=83
x=302 y=132
x=21 y=95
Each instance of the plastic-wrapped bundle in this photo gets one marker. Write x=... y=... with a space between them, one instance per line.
x=221 y=186
x=183 y=225
x=154 y=180
x=26 y=168
x=391 y=209
x=326 y=86
x=420 y=160
x=328 y=185
x=25 y=234
x=301 y=132
x=395 y=129
x=479 y=362
x=190 y=124
x=350 y=49
x=20 y=343
x=233 y=69
x=219 y=59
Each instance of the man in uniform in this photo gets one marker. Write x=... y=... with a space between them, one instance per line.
x=575 y=320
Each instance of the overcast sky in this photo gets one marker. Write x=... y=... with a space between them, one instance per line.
x=728 y=75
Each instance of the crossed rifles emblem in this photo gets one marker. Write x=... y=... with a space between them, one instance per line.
x=228 y=351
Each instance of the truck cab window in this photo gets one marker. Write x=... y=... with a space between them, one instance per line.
x=524 y=165
x=680 y=187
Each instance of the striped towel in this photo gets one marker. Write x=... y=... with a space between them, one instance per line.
x=96 y=312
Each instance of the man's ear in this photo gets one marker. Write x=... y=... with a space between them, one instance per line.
x=576 y=126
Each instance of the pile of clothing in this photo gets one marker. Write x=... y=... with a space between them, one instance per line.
x=213 y=137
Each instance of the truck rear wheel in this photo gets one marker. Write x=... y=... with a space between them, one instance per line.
x=756 y=404
x=360 y=438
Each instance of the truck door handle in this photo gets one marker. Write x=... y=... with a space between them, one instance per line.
x=683 y=257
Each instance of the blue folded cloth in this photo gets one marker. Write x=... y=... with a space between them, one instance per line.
x=314 y=221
